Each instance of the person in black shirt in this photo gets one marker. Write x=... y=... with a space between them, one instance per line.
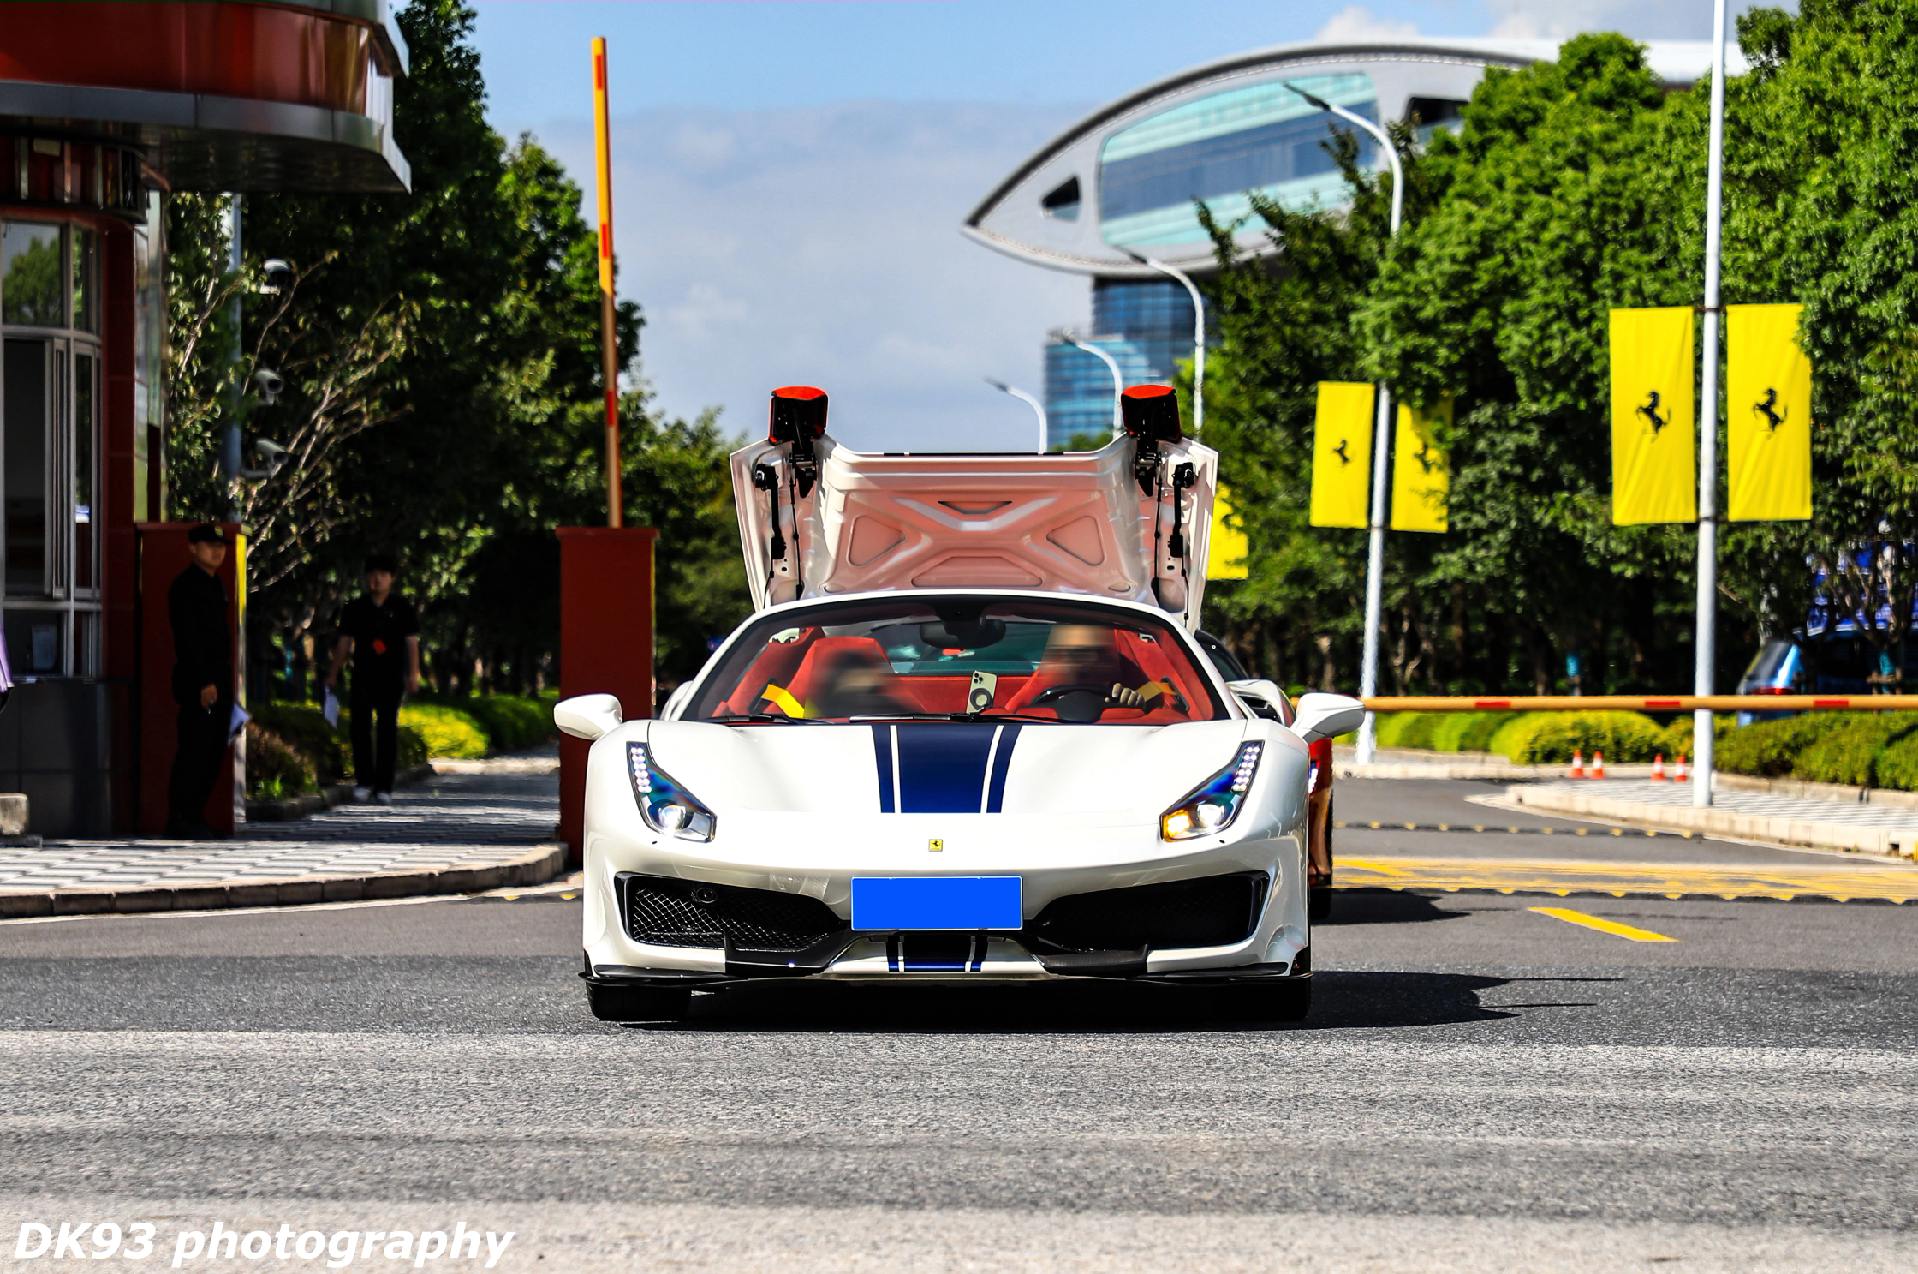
x=382 y=631
x=202 y=680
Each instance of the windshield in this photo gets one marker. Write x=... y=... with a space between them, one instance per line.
x=962 y=658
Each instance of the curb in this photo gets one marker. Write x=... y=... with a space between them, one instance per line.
x=1900 y=841
x=1883 y=797
x=535 y=867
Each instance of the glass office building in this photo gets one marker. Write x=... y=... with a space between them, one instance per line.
x=1124 y=181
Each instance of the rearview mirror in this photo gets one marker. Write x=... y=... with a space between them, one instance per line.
x=1324 y=716
x=588 y=716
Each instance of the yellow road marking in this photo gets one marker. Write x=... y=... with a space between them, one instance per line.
x=1365 y=864
x=1848 y=882
x=1601 y=924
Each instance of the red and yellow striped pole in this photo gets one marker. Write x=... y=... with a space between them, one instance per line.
x=608 y=338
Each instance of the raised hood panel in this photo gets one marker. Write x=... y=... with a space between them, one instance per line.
x=1097 y=774
x=1080 y=522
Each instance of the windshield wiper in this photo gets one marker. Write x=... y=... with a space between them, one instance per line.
x=775 y=717
x=981 y=717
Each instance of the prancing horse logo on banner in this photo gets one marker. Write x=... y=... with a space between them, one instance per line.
x=1769 y=409
x=1649 y=410
x=1339 y=451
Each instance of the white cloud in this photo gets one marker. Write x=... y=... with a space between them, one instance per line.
x=1356 y=22
x=1644 y=19
x=821 y=245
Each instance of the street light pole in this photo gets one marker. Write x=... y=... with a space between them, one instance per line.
x=1381 y=451
x=1038 y=409
x=1198 y=333
x=1112 y=365
x=1705 y=644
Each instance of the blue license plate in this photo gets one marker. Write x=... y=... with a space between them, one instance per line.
x=936 y=902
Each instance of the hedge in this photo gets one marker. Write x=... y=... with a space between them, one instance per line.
x=1546 y=738
x=446 y=730
x=1847 y=752
x=274 y=767
x=1769 y=749
x=1856 y=749
x=291 y=749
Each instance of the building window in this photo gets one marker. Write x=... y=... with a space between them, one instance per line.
x=1258 y=137
x=30 y=276
x=50 y=394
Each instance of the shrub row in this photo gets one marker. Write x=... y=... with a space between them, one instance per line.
x=292 y=750
x=1858 y=749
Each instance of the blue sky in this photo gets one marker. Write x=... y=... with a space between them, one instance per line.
x=790 y=174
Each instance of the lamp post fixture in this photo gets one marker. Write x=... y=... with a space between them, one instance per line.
x=1381 y=450
x=1198 y=331
x=1112 y=365
x=1038 y=408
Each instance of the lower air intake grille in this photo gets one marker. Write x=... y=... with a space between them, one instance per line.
x=683 y=913
x=1213 y=911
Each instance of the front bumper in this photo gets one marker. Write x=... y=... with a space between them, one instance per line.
x=677 y=914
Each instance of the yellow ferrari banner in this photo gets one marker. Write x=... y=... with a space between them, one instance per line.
x=1421 y=470
x=1654 y=417
x=1228 y=550
x=1341 y=454
x=1768 y=415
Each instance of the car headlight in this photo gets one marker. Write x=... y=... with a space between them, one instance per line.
x=1211 y=807
x=663 y=803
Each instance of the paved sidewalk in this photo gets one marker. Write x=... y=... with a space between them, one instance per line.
x=482 y=828
x=1766 y=816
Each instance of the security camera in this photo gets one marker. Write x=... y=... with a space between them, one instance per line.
x=278 y=274
x=269 y=458
x=269 y=383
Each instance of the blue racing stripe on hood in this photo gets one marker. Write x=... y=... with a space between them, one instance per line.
x=882 y=759
x=1001 y=766
x=942 y=768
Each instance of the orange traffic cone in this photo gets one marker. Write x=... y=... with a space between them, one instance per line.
x=1598 y=764
x=1578 y=764
x=1658 y=767
x=1684 y=775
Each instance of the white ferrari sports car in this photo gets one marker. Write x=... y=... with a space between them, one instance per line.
x=967 y=735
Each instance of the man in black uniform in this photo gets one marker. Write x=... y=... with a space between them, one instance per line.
x=382 y=630
x=202 y=680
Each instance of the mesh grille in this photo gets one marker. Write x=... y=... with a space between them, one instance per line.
x=682 y=913
x=1213 y=911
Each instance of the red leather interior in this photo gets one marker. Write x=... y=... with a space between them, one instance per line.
x=774 y=666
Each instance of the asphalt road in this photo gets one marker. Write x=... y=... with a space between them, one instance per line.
x=1480 y=1085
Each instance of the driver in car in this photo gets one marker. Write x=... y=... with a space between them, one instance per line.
x=1085 y=656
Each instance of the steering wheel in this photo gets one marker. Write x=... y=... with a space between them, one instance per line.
x=1052 y=694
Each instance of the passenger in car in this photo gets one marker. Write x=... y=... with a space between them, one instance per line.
x=852 y=687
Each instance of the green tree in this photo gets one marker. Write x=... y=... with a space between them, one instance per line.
x=441 y=354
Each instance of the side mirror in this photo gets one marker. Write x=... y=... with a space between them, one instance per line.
x=588 y=716
x=1262 y=698
x=1323 y=716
